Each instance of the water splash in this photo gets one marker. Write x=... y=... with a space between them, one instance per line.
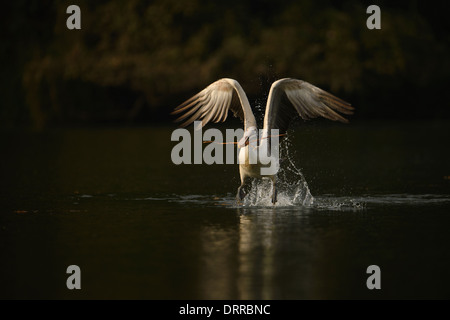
x=293 y=197
x=339 y=203
x=292 y=187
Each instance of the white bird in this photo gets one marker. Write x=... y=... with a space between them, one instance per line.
x=288 y=99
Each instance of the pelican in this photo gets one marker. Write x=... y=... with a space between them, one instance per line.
x=288 y=99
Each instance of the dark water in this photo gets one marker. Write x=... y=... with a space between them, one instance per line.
x=111 y=202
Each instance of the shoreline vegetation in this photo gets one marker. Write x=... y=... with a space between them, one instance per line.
x=133 y=61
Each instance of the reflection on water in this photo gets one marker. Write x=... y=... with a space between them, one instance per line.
x=138 y=226
x=268 y=243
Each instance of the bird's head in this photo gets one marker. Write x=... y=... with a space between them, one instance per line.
x=250 y=135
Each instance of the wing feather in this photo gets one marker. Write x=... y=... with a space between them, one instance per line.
x=292 y=98
x=213 y=104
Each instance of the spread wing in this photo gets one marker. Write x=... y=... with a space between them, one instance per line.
x=214 y=102
x=291 y=98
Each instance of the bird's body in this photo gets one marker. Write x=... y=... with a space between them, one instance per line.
x=263 y=160
x=288 y=99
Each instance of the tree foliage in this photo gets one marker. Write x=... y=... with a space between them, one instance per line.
x=138 y=58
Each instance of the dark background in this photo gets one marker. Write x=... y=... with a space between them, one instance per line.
x=86 y=175
x=133 y=61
